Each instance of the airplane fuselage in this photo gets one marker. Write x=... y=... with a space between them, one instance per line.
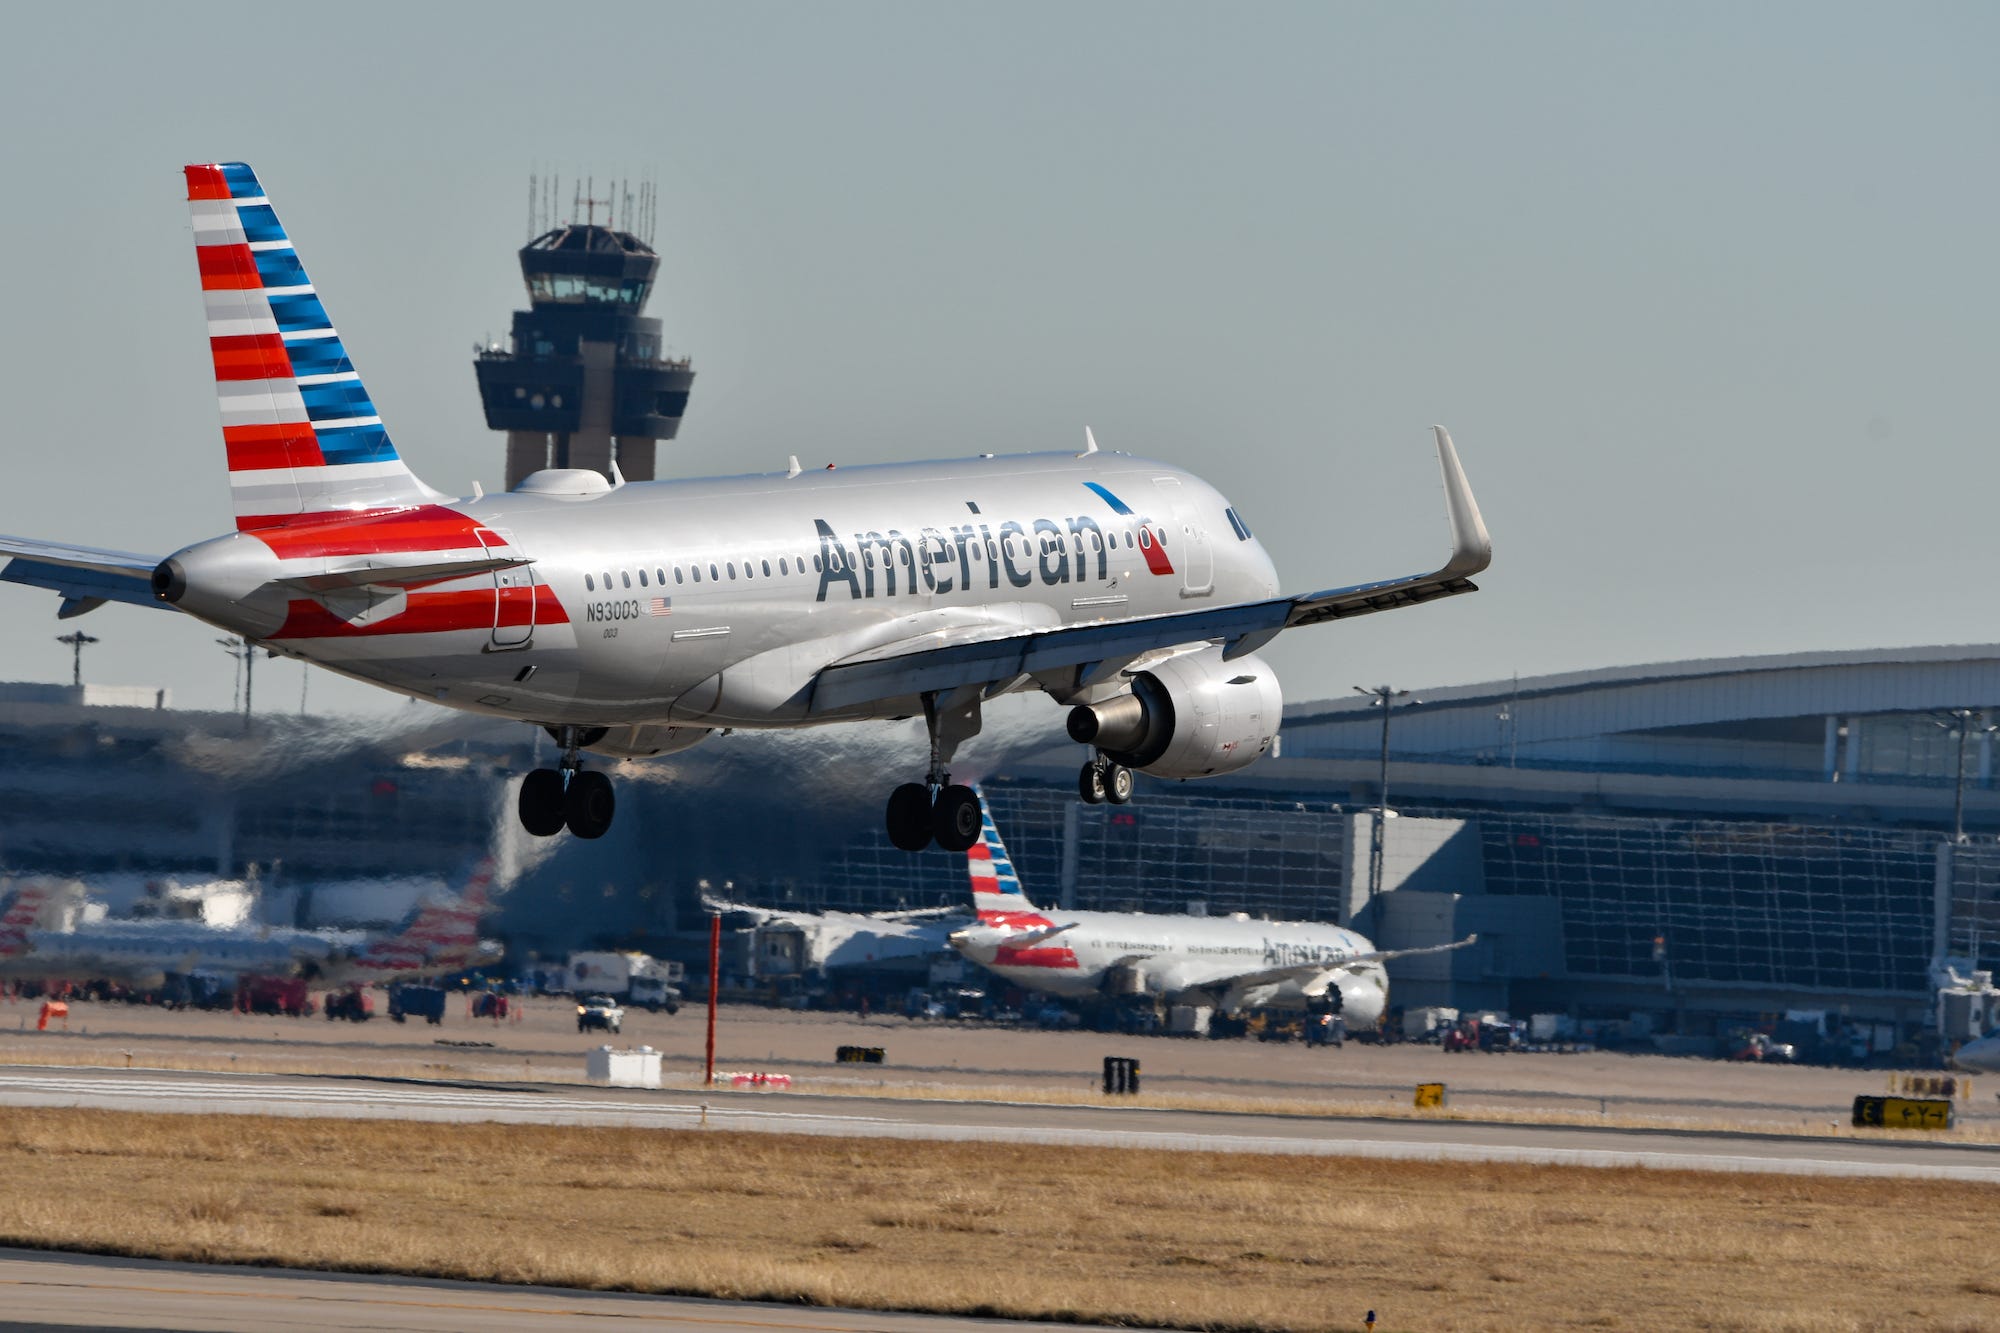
x=713 y=603
x=141 y=954
x=1178 y=954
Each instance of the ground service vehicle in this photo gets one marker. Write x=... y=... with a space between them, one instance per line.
x=600 y=1012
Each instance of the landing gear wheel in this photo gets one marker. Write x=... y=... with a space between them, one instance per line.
x=956 y=819
x=541 y=803
x=588 y=804
x=910 y=817
x=1117 y=784
x=1090 y=783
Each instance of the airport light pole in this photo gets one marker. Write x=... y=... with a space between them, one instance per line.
x=1961 y=726
x=245 y=654
x=1385 y=699
x=76 y=640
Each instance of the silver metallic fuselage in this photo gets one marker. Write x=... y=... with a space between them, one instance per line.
x=1232 y=959
x=740 y=646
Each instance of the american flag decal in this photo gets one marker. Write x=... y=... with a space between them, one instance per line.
x=660 y=606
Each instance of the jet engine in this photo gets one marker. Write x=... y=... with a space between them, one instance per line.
x=1191 y=716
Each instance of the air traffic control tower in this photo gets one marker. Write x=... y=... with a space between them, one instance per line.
x=586 y=382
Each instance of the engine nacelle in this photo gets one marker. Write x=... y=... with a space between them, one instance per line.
x=1191 y=716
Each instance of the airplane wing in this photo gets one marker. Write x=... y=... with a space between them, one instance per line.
x=1385 y=955
x=1313 y=978
x=86 y=577
x=927 y=665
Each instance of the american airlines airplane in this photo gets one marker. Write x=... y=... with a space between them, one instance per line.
x=636 y=620
x=437 y=939
x=1230 y=963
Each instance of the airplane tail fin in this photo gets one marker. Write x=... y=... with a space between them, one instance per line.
x=996 y=889
x=438 y=933
x=20 y=911
x=302 y=436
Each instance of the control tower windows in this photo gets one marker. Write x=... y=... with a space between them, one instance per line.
x=577 y=288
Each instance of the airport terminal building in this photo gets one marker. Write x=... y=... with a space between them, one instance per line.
x=1714 y=838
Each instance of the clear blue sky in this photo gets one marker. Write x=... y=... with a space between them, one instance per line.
x=1704 y=292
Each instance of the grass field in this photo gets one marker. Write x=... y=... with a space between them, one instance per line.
x=1207 y=1241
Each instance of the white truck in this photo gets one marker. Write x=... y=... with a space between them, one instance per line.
x=635 y=978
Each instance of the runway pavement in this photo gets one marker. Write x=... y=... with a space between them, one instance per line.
x=40 y=1291
x=1014 y=1122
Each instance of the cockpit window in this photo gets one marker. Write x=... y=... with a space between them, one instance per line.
x=1236 y=522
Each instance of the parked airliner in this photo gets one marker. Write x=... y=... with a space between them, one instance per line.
x=438 y=938
x=1229 y=963
x=634 y=620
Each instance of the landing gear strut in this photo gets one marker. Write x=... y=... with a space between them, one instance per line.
x=1102 y=780
x=552 y=799
x=937 y=809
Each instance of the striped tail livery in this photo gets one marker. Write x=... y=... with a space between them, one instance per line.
x=303 y=438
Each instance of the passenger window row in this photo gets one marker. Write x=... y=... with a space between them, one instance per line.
x=717 y=571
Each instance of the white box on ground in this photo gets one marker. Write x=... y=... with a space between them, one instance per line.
x=623 y=1069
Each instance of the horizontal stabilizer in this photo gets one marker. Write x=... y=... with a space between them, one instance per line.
x=398 y=576
x=1022 y=938
x=86 y=577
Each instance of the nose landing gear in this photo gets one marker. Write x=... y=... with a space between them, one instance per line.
x=552 y=799
x=937 y=809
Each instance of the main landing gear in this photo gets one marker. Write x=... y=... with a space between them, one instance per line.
x=1102 y=780
x=571 y=797
x=937 y=809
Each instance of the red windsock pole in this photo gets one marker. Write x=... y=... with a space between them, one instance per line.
x=714 y=973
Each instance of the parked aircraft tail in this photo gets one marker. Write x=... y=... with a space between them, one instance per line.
x=20 y=911
x=302 y=436
x=996 y=889
x=441 y=934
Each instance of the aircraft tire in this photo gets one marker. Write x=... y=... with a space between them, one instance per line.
x=589 y=804
x=541 y=803
x=1117 y=784
x=956 y=819
x=909 y=817
x=1090 y=782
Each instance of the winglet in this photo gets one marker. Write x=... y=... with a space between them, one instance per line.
x=1471 y=546
x=1089 y=443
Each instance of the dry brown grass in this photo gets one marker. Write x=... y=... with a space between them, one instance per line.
x=1214 y=1241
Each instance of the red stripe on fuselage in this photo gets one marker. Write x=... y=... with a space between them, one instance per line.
x=368 y=532
x=428 y=613
x=227 y=268
x=253 y=356
x=1155 y=552
x=257 y=448
x=1052 y=956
